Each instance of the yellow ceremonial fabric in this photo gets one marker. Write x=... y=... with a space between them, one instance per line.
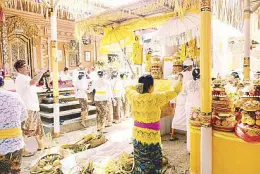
x=101 y=92
x=137 y=52
x=194 y=150
x=231 y=155
x=10 y=133
x=146 y=108
x=192 y=49
x=162 y=85
x=148 y=57
x=183 y=52
x=120 y=35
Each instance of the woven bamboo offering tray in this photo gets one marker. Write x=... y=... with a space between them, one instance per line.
x=48 y=164
x=87 y=142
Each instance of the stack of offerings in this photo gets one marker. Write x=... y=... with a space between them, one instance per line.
x=256 y=91
x=156 y=70
x=250 y=115
x=177 y=64
x=223 y=108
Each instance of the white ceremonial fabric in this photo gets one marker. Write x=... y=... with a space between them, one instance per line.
x=93 y=75
x=103 y=90
x=187 y=76
x=65 y=77
x=179 y=119
x=12 y=113
x=75 y=75
x=206 y=150
x=174 y=80
x=117 y=88
x=192 y=90
x=167 y=69
x=27 y=92
x=81 y=88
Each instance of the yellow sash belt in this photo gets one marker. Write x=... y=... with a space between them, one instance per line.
x=11 y=133
x=116 y=91
x=100 y=92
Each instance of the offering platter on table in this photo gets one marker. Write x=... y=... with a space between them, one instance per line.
x=177 y=64
x=223 y=115
x=249 y=127
x=156 y=70
x=224 y=122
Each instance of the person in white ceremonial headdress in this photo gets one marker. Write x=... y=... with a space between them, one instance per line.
x=179 y=119
x=192 y=91
x=103 y=95
x=81 y=93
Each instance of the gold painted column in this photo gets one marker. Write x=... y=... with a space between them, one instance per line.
x=247 y=40
x=205 y=87
x=54 y=61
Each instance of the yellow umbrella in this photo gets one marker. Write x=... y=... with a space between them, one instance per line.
x=119 y=35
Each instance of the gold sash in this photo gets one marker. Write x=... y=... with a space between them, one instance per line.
x=10 y=133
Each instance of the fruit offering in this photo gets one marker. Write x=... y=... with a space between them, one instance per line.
x=224 y=121
x=251 y=105
x=156 y=70
x=218 y=88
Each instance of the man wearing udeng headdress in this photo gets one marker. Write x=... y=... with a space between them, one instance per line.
x=179 y=119
x=103 y=95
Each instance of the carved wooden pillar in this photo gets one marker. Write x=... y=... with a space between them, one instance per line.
x=5 y=48
x=55 y=71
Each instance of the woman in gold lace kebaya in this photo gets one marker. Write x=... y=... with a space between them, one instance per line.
x=146 y=112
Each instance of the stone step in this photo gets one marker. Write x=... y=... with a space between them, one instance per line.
x=48 y=108
x=61 y=97
x=62 y=113
x=72 y=125
x=66 y=115
x=61 y=104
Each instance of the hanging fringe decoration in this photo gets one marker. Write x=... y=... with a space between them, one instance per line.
x=230 y=12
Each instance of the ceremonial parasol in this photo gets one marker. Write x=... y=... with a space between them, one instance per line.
x=118 y=35
x=178 y=25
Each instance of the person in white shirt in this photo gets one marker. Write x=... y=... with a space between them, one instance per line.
x=179 y=119
x=118 y=91
x=93 y=73
x=81 y=89
x=65 y=75
x=12 y=113
x=103 y=95
x=192 y=91
x=26 y=88
x=76 y=73
x=125 y=104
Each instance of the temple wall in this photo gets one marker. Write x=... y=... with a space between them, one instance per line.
x=22 y=22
